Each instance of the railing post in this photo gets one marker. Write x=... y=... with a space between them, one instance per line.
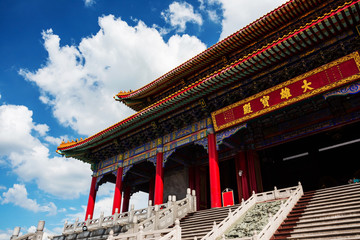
x=194 y=201
x=169 y=201
x=140 y=235
x=115 y=216
x=189 y=198
x=16 y=233
x=135 y=224
x=156 y=221
x=65 y=225
x=214 y=227
x=149 y=210
x=88 y=221
x=40 y=230
x=229 y=214
x=276 y=194
x=111 y=235
x=175 y=208
x=301 y=189
x=76 y=223
x=131 y=214
x=101 y=219
x=178 y=230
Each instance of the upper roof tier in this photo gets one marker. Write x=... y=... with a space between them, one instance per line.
x=325 y=25
x=281 y=16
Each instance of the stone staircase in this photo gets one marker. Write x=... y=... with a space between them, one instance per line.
x=199 y=223
x=331 y=213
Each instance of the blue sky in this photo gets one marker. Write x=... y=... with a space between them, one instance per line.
x=61 y=64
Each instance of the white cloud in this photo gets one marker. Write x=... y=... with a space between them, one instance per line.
x=2 y=187
x=179 y=14
x=18 y=196
x=213 y=16
x=16 y=125
x=140 y=200
x=30 y=158
x=212 y=8
x=6 y=234
x=56 y=141
x=42 y=129
x=78 y=82
x=239 y=13
x=104 y=204
x=106 y=189
x=89 y=3
x=71 y=217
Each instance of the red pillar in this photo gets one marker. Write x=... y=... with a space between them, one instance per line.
x=126 y=202
x=151 y=190
x=250 y=156
x=214 y=173
x=159 y=179
x=117 y=194
x=91 y=201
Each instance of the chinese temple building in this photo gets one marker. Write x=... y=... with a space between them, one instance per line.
x=275 y=103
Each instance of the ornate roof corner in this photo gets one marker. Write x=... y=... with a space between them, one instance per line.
x=122 y=94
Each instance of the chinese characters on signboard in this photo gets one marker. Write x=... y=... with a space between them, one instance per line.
x=320 y=80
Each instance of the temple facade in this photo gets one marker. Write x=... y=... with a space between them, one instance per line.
x=275 y=103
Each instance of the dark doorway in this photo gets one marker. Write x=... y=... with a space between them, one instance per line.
x=322 y=160
x=228 y=177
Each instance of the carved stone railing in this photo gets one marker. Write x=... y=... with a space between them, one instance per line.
x=163 y=234
x=292 y=193
x=150 y=218
x=31 y=236
x=163 y=218
x=280 y=216
x=110 y=221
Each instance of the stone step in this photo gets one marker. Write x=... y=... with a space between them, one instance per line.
x=323 y=198
x=354 y=202
x=332 y=213
x=211 y=212
x=200 y=223
x=332 y=192
x=204 y=219
x=333 y=189
x=217 y=209
x=199 y=233
x=351 y=230
x=318 y=226
x=199 y=218
x=194 y=229
x=324 y=212
x=345 y=199
x=321 y=217
x=324 y=220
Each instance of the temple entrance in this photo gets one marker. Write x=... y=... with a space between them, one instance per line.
x=228 y=177
x=322 y=160
x=187 y=167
